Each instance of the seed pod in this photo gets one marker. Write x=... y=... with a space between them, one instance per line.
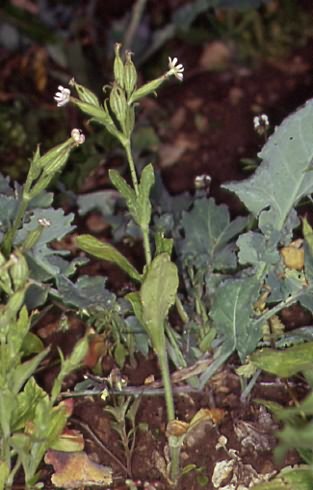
x=130 y=74
x=5 y=281
x=118 y=66
x=84 y=94
x=19 y=271
x=118 y=104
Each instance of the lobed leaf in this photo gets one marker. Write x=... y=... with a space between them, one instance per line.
x=284 y=363
x=283 y=177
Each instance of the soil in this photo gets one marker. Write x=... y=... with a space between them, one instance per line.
x=208 y=120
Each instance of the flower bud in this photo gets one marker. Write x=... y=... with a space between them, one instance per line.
x=118 y=104
x=19 y=271
x=146 y=89
x=118 y=66
x=130 y=74
x=84 y=94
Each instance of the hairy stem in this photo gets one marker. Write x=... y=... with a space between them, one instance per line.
x=145 y=231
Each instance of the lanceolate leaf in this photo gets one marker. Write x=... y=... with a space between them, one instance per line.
x=105 y=251
x=284 y=176
x=157 y=295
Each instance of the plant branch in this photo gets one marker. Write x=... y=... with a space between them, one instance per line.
x=136 y=16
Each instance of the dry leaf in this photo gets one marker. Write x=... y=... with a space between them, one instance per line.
x=171 y=153
x=97 y=348
x=74 y=470
x=293 y=257
x=215 y=56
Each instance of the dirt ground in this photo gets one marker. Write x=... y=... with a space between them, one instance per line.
x=205 y=126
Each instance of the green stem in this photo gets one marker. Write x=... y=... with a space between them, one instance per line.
x=179 y=360
x=132 y=167
x=175 y=463
x=174 y=448
x=145 y=231
x=137 y=13
x=146 y=245
x=10 y=235
x=11 y=477
x=181 y=310
x=169 y=400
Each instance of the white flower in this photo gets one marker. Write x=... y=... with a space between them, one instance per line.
x=261 y=121
x=62 y=97
x=78 y=136
x=175 y=69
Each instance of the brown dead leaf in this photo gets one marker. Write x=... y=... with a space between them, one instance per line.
x=40 y=69
x=171 y=153
x=215 y=56
x=179 y=118
x=293 y=257
x=27 y=5
x=98 y=347
x=194 y=103
x=74 y=470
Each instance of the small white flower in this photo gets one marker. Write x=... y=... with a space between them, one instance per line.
x=78 y=136
x=203 y=181
x=261 y=121
x=63 y=95
x=45 y=223
x=175 y=69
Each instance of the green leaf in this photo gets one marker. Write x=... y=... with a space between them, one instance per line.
x=7 y=404
x=294 y=479
x=157 y=294
x=232 y=314
x=103 y=201
x=308 y=253
x=254 y=248
x=86 y=293
x=208 y=231
x=32 y=344
x=143 y=205
x=105 y=251
x=307 y=233
x=26 y=370
x=284 y=363
x=25 y=405
x=162 y=244
x=4 y=473
x=125 y=190
x=186 y=14
x=120 y=354
x=282 y=179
